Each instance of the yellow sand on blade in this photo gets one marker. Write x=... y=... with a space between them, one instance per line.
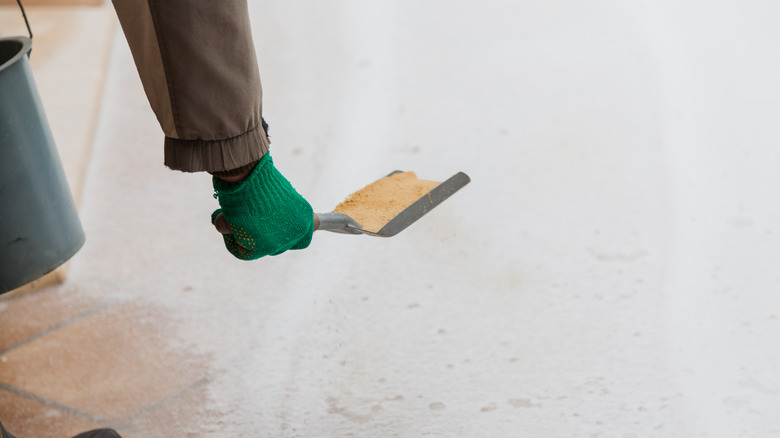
x=374 y=205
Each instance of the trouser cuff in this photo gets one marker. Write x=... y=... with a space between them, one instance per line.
x=216 y=155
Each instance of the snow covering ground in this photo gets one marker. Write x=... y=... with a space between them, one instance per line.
x=609 y=272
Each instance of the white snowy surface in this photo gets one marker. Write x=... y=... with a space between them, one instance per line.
x=609 y=272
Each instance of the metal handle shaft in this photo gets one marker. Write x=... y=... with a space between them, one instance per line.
x=338 y=223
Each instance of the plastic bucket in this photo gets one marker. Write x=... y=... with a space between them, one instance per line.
x=39 y=225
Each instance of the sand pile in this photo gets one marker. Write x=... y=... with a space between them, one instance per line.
x=374 y=205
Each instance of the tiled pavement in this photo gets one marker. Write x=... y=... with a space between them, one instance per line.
x=72 y=362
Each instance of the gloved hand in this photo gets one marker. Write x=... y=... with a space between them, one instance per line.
x=264 y=212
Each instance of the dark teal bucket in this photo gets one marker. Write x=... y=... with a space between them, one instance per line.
x=39 y=225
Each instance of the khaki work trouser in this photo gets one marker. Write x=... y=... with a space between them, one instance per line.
x=197 y=63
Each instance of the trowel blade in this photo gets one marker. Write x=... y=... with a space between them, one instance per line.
x=422 y=206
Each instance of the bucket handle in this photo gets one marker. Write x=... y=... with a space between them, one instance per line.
x=27 y=23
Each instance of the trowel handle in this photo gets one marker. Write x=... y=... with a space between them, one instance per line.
x=337 y=223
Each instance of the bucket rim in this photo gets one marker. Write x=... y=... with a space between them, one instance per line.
x=26 y=47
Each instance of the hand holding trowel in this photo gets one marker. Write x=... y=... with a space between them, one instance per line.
x=262 y=214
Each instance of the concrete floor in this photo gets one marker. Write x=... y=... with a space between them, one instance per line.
x=609 y=272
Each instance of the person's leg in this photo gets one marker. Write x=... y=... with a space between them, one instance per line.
x=99 y=433
x=4 y=433
x=197 y=63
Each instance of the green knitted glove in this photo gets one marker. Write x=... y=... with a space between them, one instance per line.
x=265 y=213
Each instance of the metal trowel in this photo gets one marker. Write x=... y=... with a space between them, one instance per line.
x=342 y=223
